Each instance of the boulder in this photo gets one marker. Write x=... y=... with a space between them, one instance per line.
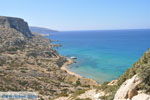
x=141 y=96
x=128 y=89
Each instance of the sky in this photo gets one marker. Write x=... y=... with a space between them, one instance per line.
x=80 y=14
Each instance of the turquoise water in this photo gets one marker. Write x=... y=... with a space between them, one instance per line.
x=103 y=55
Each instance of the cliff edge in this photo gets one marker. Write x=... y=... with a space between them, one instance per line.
x=15 y=23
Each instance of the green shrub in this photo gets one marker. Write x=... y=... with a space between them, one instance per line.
x=63 y=94
x=78 y=83
x=77 y=93
x=23 y=83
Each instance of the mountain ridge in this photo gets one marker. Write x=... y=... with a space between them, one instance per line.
x=41 y=30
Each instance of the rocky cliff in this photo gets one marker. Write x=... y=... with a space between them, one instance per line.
x=15 y=23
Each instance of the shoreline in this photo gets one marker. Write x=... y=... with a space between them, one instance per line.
x=65 y=67
x=88 y=81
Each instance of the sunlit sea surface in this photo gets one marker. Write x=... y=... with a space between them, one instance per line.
x=103 y=55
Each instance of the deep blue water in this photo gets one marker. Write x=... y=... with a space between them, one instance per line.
x=103 y=55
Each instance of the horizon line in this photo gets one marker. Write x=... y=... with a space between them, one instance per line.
x=105 y=29
x=90 y=29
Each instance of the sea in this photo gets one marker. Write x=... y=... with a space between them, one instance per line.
x=102 y=55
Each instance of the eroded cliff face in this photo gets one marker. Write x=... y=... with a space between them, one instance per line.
x=15 y=23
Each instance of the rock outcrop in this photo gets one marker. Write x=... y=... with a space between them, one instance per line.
x=141 y=96
x=91 y=94
x=15 y=23
x=128 y=89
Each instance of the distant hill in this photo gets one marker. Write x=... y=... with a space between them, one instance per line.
x=43 y=31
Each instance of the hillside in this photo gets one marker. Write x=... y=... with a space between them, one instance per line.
x=43 y=31
x=28 y=62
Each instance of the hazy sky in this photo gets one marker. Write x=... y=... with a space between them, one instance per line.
x=80 y=14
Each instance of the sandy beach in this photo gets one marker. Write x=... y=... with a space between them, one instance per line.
x=66 y=66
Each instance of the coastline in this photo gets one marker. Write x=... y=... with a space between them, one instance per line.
x=65 y=67
x=83 y=80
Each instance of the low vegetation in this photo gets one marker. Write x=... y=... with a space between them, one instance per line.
x=77 y=93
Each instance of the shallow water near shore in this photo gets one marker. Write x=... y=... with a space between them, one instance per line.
x=103 y=55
